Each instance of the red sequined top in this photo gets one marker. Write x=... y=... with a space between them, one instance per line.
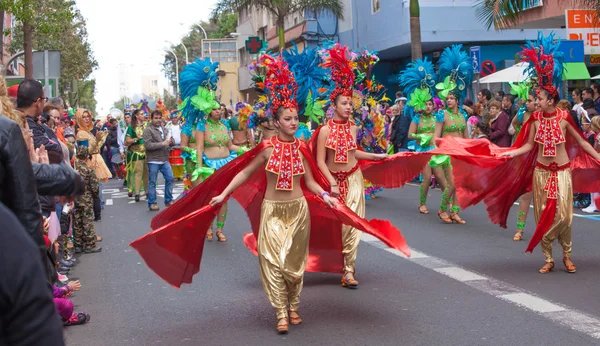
x=549 y=134
x=285 y=161
x=340 y=140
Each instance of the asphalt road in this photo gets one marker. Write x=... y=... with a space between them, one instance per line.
x=465 y=285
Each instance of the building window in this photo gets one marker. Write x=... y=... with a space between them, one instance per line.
x=376 y=6
x=154 y=82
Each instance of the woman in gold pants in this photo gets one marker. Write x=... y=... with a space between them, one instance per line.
x=284 y=222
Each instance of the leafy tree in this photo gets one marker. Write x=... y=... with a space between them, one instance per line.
x=43 y=17
x=280 y=9
x=121 y=103
x=87 y=94
x=169 y=100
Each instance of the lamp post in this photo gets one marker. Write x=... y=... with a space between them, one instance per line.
x=176 y=70
x=202 y=41
x=187 y=60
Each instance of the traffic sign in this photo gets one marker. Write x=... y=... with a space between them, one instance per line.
x=254 y=44
x=487 y=68
x=476 y=58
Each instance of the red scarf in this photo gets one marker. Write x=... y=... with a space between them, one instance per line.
x=340 y=139
x=549 y=134
x=285 y=161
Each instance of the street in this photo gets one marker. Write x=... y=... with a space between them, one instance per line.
x=464 y=285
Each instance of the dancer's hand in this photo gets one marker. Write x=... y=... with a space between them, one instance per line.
x=216 y=200
x=379 y=157
x=335 y=191
x=328 y=200
x=508 y=153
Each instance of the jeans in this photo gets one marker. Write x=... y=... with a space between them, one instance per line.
x=165 y=170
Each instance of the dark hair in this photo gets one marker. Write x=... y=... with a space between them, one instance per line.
x=501 y=93
x=468 y=103
x=134 y=120
x=510 y=97
x=155 y=112
x=486 y=93
x=483 y=127
x=588 y=104
x=112 y=121
x=589 y=91
x=577 y=92
x=29 y=92
x=555 y=98
x=596 y=87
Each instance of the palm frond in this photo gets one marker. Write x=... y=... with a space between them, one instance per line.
x=335 y=7
x=500 y=14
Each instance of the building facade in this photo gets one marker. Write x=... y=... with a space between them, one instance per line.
x=224 y=52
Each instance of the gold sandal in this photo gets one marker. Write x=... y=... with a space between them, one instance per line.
x=283 y=327
x=444 y=216
x=518 y=236
x=209 y=235
x=349 y=283
x=221 y=237
x=570 y=268
x=547 y=268
x=295 y=320
x=423 y=209
x=457 y=219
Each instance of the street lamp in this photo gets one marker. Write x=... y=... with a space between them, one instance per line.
x=187 y=60
x=176 y=69
x=202 y=41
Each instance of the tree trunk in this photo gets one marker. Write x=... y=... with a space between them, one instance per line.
x=415 y=30
x=28 y=48
x=2 y=39
x=281 y=34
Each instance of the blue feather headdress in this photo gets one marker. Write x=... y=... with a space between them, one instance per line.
x=197 y=85
x=455 y=71
x=546 y=62
x=418 y=83
x=309 y=74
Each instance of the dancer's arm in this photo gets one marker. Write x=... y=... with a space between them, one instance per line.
x=585 y=145
x=239 y=179
x=321 y=154
x=525 y=148
x=314 y=187
x=363 y=155
x=232 y=147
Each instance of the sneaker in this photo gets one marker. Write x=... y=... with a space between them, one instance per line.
x=95 y=249
x=590 y=210
x=77 y=319
x=154 y=207
x=137 y=198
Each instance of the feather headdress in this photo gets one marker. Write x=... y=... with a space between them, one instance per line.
x=455 y=71
x=545 y=63
x=418 y=82
x=280 y=85
x=309 y=74
x=337 y=59
x=197 y=84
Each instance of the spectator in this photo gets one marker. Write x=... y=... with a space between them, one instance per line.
x=587 y=93
x=483 y=97
x=157 y=142
x=499 y=95
x=499 y=126
x=115 y=147
x=400 y=126
x=595 y=128
x=84 y=235
x=508 y=105
x=596 y=96
x=27 y=313
x=481 y=130
x=577 y=99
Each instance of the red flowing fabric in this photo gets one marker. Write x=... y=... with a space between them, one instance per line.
x=173 y=250
x=546 y=220
x=597 y=201
x=481 y=174
x=391 y=172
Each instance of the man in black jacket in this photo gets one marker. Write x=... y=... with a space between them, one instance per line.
x=400 y=126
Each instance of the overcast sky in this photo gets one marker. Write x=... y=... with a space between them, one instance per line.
x=133 y=32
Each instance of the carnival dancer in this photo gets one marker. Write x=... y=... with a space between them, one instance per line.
x=134 y=139
x=522 y=117
x=418 y=82
x=550 y=157
x=457 y=73
x=337 y=155
x=284 y=201
x=261 y=121
x=242 y=135
x=122 y=131
x=175 y=159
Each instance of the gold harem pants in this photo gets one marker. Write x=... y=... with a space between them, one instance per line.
x=561 y=227
x=352 y=192
x=282 y=251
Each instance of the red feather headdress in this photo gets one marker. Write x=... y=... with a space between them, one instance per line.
x=342 y=74
x=279 y=83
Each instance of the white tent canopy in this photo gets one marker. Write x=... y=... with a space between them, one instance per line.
x=515 y=74
x=596 y=77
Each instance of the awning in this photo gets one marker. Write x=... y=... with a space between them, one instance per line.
x=597 y=77
x=515 y=73
x=576 y=71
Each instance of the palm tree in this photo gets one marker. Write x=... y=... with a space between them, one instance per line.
x=416 y=46
x=503 y=14
x=280 y=9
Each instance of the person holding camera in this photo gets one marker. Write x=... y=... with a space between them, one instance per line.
x=158 y=142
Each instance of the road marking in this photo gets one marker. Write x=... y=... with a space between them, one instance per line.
x=460 y=274
x=109 y=201
x=557 y=313
x=532 y=302
x=588 y=216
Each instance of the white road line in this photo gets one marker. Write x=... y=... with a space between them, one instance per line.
x=109 y=201
x=557 y=313
x=460 y=274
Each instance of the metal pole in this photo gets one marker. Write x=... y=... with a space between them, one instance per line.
x=46 y=80
x=176 y=71
x=187 y=60
x=202 y=41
